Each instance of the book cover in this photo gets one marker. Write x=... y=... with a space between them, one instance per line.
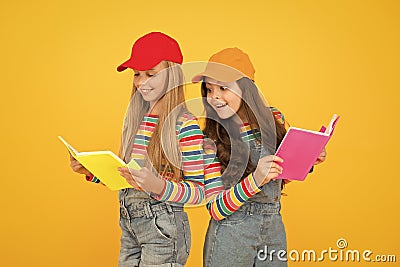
x=300 y=149
x=104 y=165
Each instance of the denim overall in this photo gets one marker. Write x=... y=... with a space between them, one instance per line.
x=154 y=233
x=248 y=236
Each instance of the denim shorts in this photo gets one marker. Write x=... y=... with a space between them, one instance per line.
x=241 y=239
x=153 y=234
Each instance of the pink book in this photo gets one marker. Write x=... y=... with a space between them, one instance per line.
x=300 y=149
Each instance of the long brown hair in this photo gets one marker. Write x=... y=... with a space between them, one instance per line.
x=226 y=134
x=163 y=148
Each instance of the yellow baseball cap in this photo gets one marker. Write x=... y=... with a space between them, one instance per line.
x=228 y=65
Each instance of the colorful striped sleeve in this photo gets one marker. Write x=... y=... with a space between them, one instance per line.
x=220 y=202
x=191 y=189
x=212 y=175
x=92 y=178
x=278 y=115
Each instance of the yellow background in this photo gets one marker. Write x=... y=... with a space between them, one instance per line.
x=313 y=59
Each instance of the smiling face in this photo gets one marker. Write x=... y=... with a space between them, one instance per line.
x=151 y=83
x=224 y=98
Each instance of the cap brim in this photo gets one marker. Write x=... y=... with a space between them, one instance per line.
x=198 y=78
x=137 y=65
x=219 y=72
x=123 y=66
x=225 y=77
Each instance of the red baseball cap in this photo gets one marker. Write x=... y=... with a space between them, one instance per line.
x=151 y=49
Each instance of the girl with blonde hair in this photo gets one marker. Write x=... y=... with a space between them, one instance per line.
x=166 y=140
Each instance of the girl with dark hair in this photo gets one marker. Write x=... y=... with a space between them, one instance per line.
x=244 y=201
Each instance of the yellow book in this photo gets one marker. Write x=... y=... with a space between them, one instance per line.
x=104 y=165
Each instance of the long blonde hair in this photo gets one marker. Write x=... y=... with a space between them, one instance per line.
x=163 y=148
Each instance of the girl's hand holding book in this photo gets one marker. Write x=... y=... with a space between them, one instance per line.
x=77 y=167
x=267 y=169
x=143 y=179
x=321 y=158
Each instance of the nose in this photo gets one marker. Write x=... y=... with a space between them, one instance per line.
x=216 y=93
x=140 y=81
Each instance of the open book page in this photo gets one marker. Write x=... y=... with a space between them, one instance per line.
x=70 y=148
x=104 y=165
x=332 y=124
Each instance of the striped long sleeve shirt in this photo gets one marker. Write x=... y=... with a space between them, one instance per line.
x=191 y=189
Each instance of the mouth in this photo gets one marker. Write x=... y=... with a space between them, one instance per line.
x=221 y=105
x=145 y=90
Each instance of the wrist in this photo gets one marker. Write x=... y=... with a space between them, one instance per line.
x=160 y=187
x=258 y=177
x=86 y=172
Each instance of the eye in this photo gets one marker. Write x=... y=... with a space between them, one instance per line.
x=136 y=74
x=223 y=88
x=151 y=74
